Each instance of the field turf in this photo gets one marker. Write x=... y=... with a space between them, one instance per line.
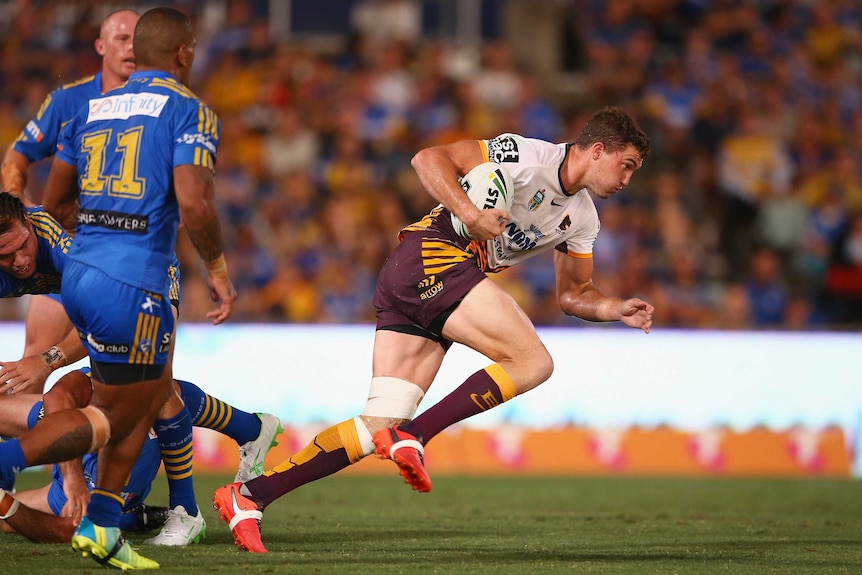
x=517 y=525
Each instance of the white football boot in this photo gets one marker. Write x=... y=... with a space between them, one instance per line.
x=252 y=454
x=180 y=529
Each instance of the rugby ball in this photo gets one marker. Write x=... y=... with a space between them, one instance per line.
x=488 y=185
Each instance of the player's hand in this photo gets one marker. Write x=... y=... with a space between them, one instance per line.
x=637 y=313
x=487 y=224
x=77 y=499
x=223 y=293
x=27 y=375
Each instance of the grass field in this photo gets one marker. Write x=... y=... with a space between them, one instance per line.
x=517 y=525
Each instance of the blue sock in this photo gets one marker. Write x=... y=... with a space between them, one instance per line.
x=175 y=444
x=212 y=413
x=11 y=462
x=105 y=508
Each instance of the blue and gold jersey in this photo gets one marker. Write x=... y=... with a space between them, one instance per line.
x=125 y=145
x=53 y=249
x=38 y=139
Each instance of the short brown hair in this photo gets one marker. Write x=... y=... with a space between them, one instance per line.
x=615 y=128
x=11 y=211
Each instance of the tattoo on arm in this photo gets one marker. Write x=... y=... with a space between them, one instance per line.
x=208 y=240
x=54 y=357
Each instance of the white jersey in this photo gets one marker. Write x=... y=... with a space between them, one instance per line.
x=543 y=215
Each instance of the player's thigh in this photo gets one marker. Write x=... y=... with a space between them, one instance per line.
x=490 y=321
x=405 y=356
x=36 y=499
x=46 y=323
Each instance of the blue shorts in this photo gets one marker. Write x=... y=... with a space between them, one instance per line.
x=136 y=490
x=174 y=277
x=118 y=323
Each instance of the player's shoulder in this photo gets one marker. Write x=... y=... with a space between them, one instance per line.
x=44 y=223
x=515 y=148
x=172 y=87
x=83 y=88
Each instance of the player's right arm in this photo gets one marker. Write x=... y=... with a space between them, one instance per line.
x=14 y=173
x=439 y=168
x=72 y=390
x=61 y=194
x=24 y=512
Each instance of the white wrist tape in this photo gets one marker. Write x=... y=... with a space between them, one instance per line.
x=13 y=506
x=393 y=398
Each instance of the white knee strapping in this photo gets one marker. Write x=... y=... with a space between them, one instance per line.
x=366 y=442
x=100 y=425
x=392 y=397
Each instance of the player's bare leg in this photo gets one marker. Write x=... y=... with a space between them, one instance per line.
x=506 y=336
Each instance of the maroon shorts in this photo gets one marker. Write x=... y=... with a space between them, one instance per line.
x=423 y=281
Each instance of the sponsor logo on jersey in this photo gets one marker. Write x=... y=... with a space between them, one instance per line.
x=518 y=239
x=503 y=149
x=537 y=200
x=109 y=348
x=565 y=224
x=124 y=106
x=204 y=140
x=429 y=287
x=114 y=221
x=34 y=131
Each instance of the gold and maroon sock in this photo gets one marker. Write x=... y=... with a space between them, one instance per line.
x=331 y=450
x=484 y=390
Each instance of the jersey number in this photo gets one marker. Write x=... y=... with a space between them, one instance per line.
x=126 y=184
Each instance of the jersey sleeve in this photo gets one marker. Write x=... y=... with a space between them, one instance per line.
x=585 y=227
x=197 y=136
x=38 y=140
x=65 y=146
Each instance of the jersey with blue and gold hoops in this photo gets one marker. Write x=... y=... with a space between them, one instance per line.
x=53 y=248
x=38 y=139
x=125 y=145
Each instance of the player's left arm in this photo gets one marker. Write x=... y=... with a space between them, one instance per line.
x=32 y=371
x=194 y=189
x=61 y=194
x=578 y=296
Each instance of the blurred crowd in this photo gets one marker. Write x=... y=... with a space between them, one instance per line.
x=746 y=215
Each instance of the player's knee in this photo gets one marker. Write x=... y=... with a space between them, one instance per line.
x=391 y=398
x=544 y=367
x=533 y=372
x=100 y=425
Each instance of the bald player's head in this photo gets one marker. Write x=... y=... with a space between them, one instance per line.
x=164 y=40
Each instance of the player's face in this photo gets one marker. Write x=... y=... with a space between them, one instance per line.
x=18 y=251
x=612 y=170
x=115 y=44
